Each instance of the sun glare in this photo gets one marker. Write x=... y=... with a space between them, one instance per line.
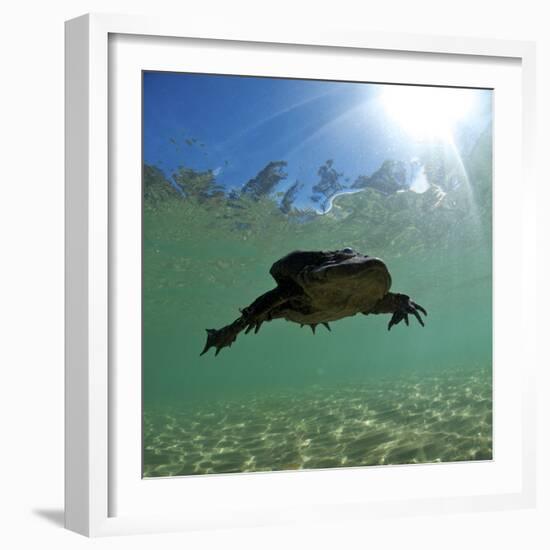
x=426 y=112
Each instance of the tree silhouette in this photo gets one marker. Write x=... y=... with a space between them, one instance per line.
x=266 y=180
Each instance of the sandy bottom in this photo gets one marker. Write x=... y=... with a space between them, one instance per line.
x=440 y=418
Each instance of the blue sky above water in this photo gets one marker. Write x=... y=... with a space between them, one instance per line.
x=235 y=125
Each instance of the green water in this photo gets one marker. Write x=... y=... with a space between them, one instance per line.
x=285 y=398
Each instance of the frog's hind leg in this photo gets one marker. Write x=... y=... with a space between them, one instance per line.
x=223 y=337
x=260 y=310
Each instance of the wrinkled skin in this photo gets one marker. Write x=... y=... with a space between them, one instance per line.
x=318 y=287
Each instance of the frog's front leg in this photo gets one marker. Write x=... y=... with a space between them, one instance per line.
x=401 y=306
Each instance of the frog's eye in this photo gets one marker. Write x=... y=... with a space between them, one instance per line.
x=348 y=250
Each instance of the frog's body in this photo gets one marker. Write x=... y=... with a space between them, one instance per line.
x=316 y=287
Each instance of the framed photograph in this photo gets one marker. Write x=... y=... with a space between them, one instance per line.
x=297 y=284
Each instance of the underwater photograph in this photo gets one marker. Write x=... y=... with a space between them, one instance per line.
x=316 y=274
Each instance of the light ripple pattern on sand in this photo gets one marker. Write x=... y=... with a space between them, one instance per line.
x=416 y=419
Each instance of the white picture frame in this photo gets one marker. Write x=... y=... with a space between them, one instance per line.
x=95 y=488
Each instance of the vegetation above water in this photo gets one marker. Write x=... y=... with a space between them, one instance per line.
x=377 y=214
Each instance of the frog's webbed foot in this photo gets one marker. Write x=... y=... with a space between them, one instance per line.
x=404 y=307
x=252 y=317
x=223 y=337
